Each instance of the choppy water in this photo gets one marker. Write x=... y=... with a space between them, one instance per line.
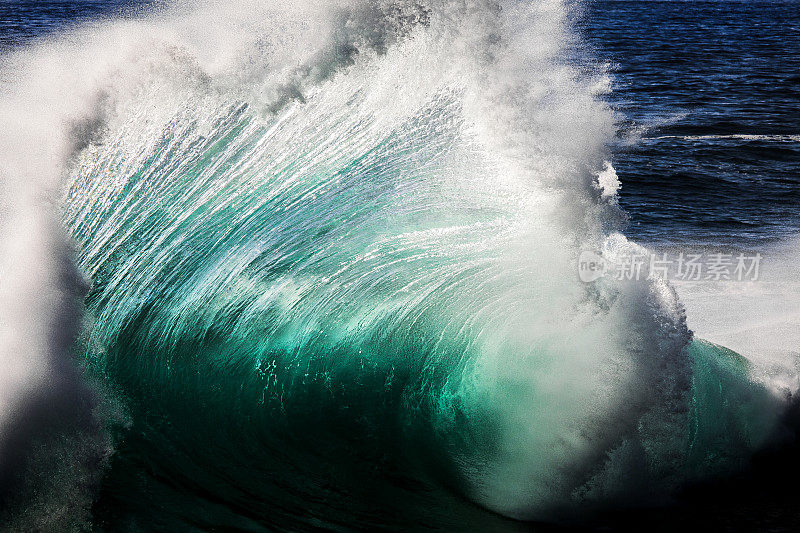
x=710 y=104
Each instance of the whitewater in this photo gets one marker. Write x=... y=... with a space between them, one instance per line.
x=315 y=266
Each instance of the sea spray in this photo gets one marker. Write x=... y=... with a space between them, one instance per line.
x=355 y=228
x=332 y=252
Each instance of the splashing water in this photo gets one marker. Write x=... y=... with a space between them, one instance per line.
x=332 y=252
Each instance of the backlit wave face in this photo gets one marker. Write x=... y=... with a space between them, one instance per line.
x=332 y=255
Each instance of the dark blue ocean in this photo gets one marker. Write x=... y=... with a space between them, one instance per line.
x=706 y=102
x=708 y=99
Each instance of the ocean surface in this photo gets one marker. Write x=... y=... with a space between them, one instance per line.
x=708 y=97
x=314 y=267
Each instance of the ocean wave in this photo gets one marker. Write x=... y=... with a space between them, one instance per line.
x=332 y=251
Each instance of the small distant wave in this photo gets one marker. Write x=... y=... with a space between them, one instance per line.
x=738 y=137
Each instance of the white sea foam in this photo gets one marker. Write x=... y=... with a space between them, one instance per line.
x=758 y=319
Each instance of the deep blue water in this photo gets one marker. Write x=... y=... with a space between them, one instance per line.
x=709 y=98
x=20 y=22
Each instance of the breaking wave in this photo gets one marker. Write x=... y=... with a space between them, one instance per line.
x=331 y=261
